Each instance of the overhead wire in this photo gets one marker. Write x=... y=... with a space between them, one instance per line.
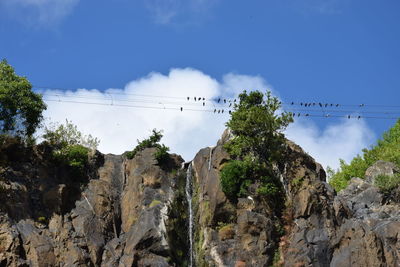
x=219 y=104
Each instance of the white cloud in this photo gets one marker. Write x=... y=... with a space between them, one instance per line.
x=186 y=132
x=168 y=11
x=341 y=140
x=38 y=12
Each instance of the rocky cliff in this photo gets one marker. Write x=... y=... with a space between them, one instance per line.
x=135 y=213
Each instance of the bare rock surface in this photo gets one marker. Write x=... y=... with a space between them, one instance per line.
x=135 y=213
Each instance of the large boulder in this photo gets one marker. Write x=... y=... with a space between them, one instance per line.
x=380 y=168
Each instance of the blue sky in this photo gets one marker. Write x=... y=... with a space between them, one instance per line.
x=335 y=51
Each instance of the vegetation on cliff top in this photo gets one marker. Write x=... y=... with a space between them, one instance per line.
x=257 y=145
x=70 y=146
x=386 y=149
x=20 y=108
x=153 y=140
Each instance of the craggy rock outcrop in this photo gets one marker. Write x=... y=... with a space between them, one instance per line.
x=354 y=228
x=119 y=217
x=226 y=233
x=135 y=213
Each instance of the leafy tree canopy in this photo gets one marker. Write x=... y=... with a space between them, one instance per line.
x=257 y=125
x=62 y=135
x=20 y=108
x=71 y=147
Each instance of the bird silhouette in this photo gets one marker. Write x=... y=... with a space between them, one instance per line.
x=188 y=98
x=181 y=108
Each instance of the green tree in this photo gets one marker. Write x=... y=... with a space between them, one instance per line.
x=257 y=144
x=20 y=108
x=257 y=126
x=70 y=146
x=61 y=135
x=386 y=149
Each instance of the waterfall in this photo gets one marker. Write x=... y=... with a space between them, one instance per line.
x=190 y=211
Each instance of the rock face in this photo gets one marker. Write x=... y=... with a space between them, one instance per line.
x=135 y=213
x=119 y=217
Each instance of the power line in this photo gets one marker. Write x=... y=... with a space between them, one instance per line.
x=217 y=100
x=291 y=108
x=217 y=111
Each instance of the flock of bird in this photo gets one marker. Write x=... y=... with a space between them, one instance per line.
x=221 y=105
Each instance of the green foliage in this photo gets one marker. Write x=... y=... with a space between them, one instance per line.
x=155 y=202
x=161 y=155
x=152 y=141
x=276 y=261
x=42 y=220
x=60 y=135
x=71 y=147
x=74 y=156
x=257 y=127
x=387 y=183
x=386 y=149
x=297 y=182
x=20 y=108
x=235 y=177
x=269 y=187
x=257 y=145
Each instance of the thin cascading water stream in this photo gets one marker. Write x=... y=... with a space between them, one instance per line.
x=189 y=191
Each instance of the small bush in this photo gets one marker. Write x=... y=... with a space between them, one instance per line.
x=235 y=178
x=74 y=156
x=42 y=220
x=161 y=155
x=387 y=183
x=268 y=189
x=152 y=141
x=155 y=202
